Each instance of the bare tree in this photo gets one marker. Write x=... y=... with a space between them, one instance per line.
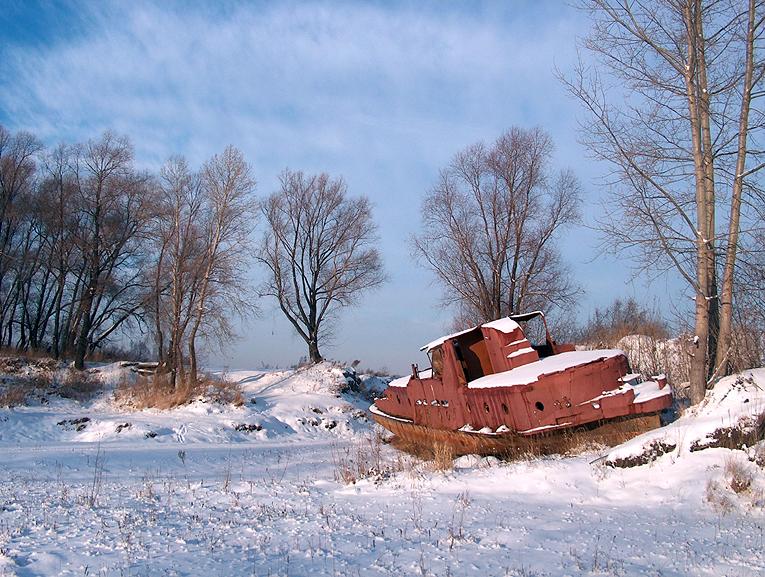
x=59 y=217
x=490 y=224
x=319 y=252
x=680 y=129
x=114 y=204
x=18 y=153
x=176 y=236
x=201 y=239
x=227 y=223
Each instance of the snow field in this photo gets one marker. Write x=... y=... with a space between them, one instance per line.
x=202 y=498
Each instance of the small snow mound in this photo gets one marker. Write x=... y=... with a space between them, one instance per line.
x=467 y=462
x=475 y=462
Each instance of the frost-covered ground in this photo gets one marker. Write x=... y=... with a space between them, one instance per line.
x=182 y=492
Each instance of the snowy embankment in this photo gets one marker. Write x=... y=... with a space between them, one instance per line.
x=732 y=416
x=258 y=490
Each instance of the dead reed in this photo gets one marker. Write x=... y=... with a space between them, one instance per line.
x=159 y=392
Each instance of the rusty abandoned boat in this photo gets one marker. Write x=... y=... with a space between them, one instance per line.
x=491 y=391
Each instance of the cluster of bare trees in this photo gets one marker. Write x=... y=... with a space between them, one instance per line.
x=201 y=239
x=91 y=245
x=490 y=226
x=674 y=108
x=71 y=224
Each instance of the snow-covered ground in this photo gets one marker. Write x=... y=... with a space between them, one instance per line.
x=183 y=492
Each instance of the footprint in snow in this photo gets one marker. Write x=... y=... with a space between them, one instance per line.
x=180 y=434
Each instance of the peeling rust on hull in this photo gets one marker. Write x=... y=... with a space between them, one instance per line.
x=418 y=439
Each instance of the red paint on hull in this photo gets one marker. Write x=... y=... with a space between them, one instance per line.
x=491 y=380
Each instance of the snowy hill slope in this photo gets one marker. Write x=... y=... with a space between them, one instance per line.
x=306 y=403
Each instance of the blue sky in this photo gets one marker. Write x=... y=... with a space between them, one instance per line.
x=381 y=93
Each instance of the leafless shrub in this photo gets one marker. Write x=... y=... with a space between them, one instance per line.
x=157 y=392
x=650 y=356
x=644 y=337
x=748 y=336
x=79 y=385
x=608 y=325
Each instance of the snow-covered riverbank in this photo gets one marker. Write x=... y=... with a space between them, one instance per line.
x=200 y=497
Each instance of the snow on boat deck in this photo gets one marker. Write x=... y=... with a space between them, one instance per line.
x=531 y=372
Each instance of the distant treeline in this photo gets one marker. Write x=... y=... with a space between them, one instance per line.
x=92 y=248
x=90 y=245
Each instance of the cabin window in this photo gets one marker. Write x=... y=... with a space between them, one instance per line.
x=437 y=362
x=486 y=407
x=535 y=330
x=540 y=406
x=504 y=408
x=472 y=354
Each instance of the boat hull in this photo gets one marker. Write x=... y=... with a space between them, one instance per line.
x=422 y=440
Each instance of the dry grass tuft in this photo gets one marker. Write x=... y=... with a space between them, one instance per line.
x=364 y=460
x=158 y=392
x=13 y=395
x=360 y=461
x=224 y=392
x=718 y=497
x=738 y=476
x=443 y=457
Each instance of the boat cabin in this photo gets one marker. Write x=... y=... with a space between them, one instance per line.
x=488 y=349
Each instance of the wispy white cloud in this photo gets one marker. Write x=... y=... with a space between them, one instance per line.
x=383 y=94
x=267 y=74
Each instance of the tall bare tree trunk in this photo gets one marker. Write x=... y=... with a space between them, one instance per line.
x=722 y=359
x=707 y=159
x=698 y=372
